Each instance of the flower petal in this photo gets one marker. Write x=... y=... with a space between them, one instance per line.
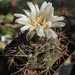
x=24 y=17
x=32 y=8
x=37 y=9
x=47 y=25
x=58 y=24
x=47 y=9
x=25 y=28
x=32 y=28
x=40 y=31
x=57 y=19
x=27 y=13
x=54 y=35
x=51 y=14
x=43 y=6
x=19 y=15
x=30 y=35
x=23 y=20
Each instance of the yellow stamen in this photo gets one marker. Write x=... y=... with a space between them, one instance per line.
x=39 y=21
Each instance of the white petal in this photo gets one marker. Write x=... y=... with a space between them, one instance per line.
x=49 y=4
x=32 y=17
x=25 y=28
x=58 y=24
x=30 y=35
x=48 y=34
x=20 y=22
x=55 y=16
x=27 y=13
x=32 y=28
x=43 y=6
x=54 y=35
x=19 y=15
x=37 y=9
x=32 y=8
x=40 y=31
x=23 y=20
x=47 y=24
x=57 y=19
x=22 y=16
x=47 y=9
x=51 y=14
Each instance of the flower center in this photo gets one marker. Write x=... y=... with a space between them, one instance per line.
x=39 y=21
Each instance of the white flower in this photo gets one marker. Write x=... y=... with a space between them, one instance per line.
x=40 y=21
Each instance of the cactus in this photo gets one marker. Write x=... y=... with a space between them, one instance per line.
x=36 y=54
x=38 y=47
x=40 y=54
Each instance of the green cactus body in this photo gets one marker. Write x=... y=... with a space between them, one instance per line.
x=40 y=54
